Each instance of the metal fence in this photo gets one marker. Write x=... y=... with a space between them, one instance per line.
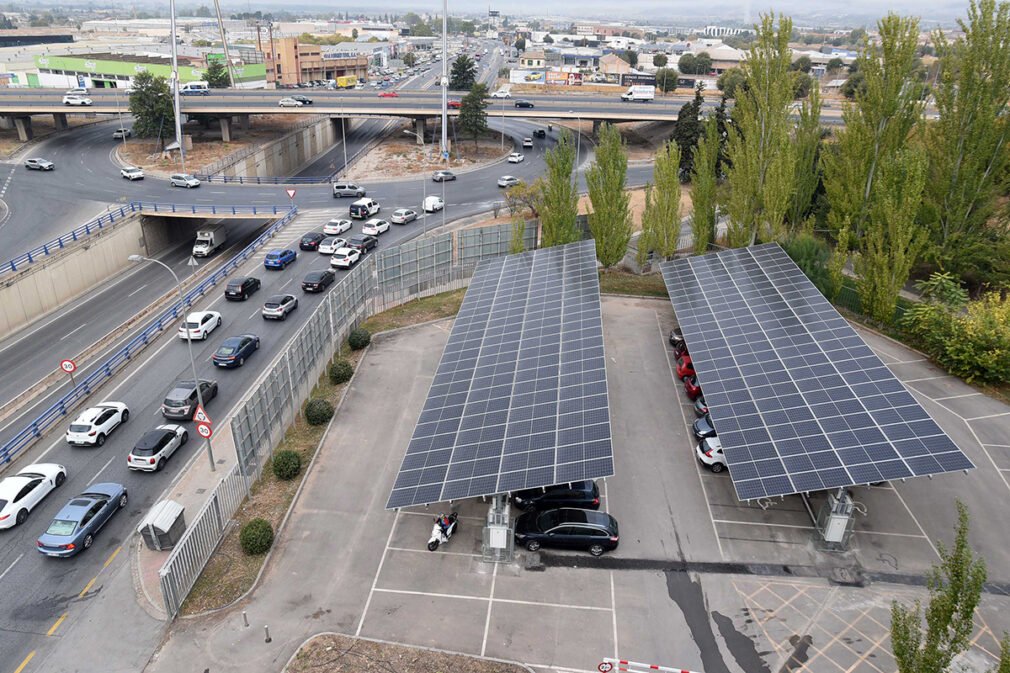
x=267 y=180
x=415 y=269
x=36 y=428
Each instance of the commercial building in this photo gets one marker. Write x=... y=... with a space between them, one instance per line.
x=107 y=70
x=289 y=62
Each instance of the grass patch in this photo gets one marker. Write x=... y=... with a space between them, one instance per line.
x=613 y=281
x=443 y=305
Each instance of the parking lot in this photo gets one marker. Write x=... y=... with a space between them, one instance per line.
x=700 y=581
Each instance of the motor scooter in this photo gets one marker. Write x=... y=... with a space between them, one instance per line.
x=440 y=534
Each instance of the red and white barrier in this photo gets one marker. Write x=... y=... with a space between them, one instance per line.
x=609 y=665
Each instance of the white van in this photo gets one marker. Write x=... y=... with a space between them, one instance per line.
x=194 y=89
x=364 y=208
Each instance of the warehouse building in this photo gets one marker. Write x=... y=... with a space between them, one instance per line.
x=109 y=71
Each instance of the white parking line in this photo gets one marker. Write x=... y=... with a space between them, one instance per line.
x=109 y=462
x=909 y=510
x=982 y=418
x=441 y=552
x=955 y=397
x=613 y=611
x=375 y=579
x=490 y=604
x=11 y=565
x=510 y=601
x=71 y=332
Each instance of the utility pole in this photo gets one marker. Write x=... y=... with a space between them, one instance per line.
x=224 y=44
x=445 y=81
x=175 y=85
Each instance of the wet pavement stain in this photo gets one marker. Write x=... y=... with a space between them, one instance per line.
x=800 y=654
x=688 y=596
x=741 y=646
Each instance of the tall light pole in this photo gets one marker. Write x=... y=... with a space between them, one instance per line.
x=444 y=149
x=424 y=181
x=175 y=85
x=189 y=341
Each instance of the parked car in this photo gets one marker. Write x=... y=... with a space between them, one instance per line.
x=362 y=242
x=76 y=100
x=182 y=399
x=20 y=493
x=342 y=189
x=279 y=259
x=443 y=176
x=363 y=209
x=433 y=204
x=121 y=134
x=289 y=102
x=279 y=306
x=692 y=388
x=524 y=104
x=579 y=494
x=74 y=527
x=703 y=427
x=155 y=447
x=199 y=325
x=345 y=258
x=336 y=226
x=700 y=408
x=516 y=157
x=685 y=367
x=527 y=142
x=508 y=181
x=92 y=426
x=241 y=288
x=375 y=227
x=132 y=173
x=311 y=241
x=709 y=453
x=184 y=180
x=37 y=164
x=567 y=528
x=317 y=281
x=403 y=216
x=676 y=337
x=330 y=245
x=234 y=350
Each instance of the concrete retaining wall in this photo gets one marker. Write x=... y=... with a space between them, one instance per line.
x=289 y=154
x=46 y=285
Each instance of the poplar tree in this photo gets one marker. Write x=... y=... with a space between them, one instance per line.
x=559 y=199
x=661 y=217
x=807 y=170
x=967 y=146
x=610 y=218
x=703 y=188
x=759 y=150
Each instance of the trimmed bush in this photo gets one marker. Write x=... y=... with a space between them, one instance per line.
x=318 y=411
x=256 y=537
x=287 y=465
x=341 y=372
x=359 y=338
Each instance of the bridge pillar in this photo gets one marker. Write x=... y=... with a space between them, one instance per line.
x=243 y=121
x=6 y=122
x=596 y=126
x=225 y=129
x=420 y=127
x=24 y=127
x=60 y=121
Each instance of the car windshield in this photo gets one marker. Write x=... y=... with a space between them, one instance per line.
x=177 y=398
x=76 y=427
x=191 y=325
x=144 y=450
x=273 y=255
x=61 y=527
x=272 y=304
x=236 y=284
x=226 y=349
x=314 y=276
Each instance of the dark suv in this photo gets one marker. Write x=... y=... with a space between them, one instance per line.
x=567 y=529
x=181 y=400
x=240 y=288
x=581 y=494
x=362 y=242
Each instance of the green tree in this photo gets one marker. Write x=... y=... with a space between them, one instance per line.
x=857 y=36
x=422 y=30
x=203 y=11
x=630 y=57
x=610 y=217
x=216 y=75
x=835 y=64
x=686 y=64
x=967 y=146
x=802 y=64
x=666 y=80
x=759 y=151
x=807 y=171
x=659 y=60
x=730 y=81
x=6 y=23
x=151 y=106
x=410 y=59
x=412 y=19
x=520 y=44
x=463 y=74
x=473 y=112
x=559 y=200
x=802 y=83
x=201 y=43
x=688 y=130
x=517 y=243
x=548 y=39
x=661 y=216
x=702 y=63
x=703 y=188
x=354 y=33
x=854 y=84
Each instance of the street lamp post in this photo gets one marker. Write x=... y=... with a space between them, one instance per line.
x=445 y=82
x=175 y=85
x=189 y=341
x=424 y=182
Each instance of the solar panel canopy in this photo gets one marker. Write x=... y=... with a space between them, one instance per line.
x=799 y=400
x=519 y=399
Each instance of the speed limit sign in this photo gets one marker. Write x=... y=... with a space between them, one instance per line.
x=605 y=667
x=69 y=366
x=203 y=429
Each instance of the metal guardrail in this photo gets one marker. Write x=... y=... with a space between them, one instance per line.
x=36 y=428
x=176 y=209
x=269 y=180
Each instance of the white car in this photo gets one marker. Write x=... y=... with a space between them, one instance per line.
x=330 y=245
x=289 y=102
x=132 y=173
x=433 y=204
x=199 y=324
x=336 y=226
x=20 y=493
x=501 y=94
x=155 y=447
x=37 y=164
x=95 y=424
x=184 y=180
x=527 y=142
x=709 y=453
x=345 y=258
x=516 y=157
x=403 y=216
x=375 y=226
x=508 y=181
x=120 y=134
x=76 y=100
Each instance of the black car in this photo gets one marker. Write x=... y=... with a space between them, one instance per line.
x=581 y=494
x=676 y=337
x=567 y=529
x=524 y=103
x=539 y=133
x=239 y=289
x=317 y=281
x=362 y=242
x=234 y=350
x=703 y=427
x=304 y=100
x=311 y=240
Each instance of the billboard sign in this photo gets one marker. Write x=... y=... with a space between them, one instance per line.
x=526 y=76
x=564 y=78
x=631 y=79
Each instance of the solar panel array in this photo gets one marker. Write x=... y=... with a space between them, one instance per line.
x=519 y=399
x=799 y=400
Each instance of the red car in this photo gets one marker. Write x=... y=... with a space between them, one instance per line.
x=685 y=367
x=388 y=94
x=692 y=388
x=453 y=104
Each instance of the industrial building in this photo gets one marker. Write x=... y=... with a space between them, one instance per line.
x=289 y=62
x=108 y=70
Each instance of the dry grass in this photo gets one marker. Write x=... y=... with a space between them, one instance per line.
x=438 y=306
x=636 y=204
x=614 y=281
x=332 y=653
x=400 y=155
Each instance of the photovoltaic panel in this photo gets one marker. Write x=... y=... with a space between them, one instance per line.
x=519 y=399
x=799 y=400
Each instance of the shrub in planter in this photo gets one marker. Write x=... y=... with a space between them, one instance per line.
x=318 y=411
x=359 y=338
x=287 y=465
x=341 y=372
x=256 y=537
